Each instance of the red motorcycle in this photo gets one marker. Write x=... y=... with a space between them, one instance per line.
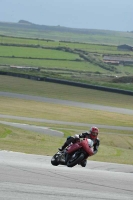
x=74 y=154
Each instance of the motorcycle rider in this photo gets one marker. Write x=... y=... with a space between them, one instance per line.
x=92 y=134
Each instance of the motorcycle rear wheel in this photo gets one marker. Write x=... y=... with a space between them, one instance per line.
x=72 y=163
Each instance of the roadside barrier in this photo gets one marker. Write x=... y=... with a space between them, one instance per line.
x=66 y=82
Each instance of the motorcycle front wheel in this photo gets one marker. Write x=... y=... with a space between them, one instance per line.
x=74 y=161
x=54 y=161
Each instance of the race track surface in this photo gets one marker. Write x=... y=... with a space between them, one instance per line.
x=32 y=177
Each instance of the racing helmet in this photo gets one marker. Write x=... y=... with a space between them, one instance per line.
x=94 y=132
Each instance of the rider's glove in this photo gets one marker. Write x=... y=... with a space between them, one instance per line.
x=76 y=136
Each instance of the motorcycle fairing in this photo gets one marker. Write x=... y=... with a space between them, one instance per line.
x=86 y=147
x=73 y=148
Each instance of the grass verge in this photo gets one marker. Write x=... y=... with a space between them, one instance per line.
x=59 y=91
x=51 y=111
x=18 y=140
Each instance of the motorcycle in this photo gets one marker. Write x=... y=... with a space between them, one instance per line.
x=75 y=153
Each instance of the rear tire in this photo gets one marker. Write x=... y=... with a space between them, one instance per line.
x=72 y=163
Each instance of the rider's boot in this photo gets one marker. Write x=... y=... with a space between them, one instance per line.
x=83 y=163
x=63 y=147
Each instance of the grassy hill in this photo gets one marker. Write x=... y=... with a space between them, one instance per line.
x=27 y=29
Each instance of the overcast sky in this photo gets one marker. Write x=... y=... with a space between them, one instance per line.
x=91 y=14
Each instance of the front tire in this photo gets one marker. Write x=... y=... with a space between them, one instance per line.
x=54 y=161
x=73 y=162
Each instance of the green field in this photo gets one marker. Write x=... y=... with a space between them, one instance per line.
x=59 y=33
x=83 y=46
x=116 y=146
x=89 y=47
x=74 y=61
x=36 y=53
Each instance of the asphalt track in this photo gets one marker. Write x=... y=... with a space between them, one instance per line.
x=32 y=177
x=38 y=129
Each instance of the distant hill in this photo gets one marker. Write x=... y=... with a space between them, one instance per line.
x=27 y=29
x=24 y=22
